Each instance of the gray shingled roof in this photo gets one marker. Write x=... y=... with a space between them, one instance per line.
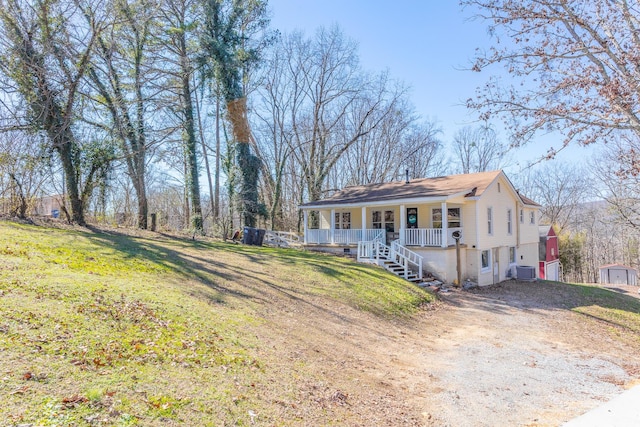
x=472 y=184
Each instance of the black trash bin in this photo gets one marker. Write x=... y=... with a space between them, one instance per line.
x=259 y=238
x=248 y=235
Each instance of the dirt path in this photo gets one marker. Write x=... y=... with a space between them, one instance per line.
x=506 y=356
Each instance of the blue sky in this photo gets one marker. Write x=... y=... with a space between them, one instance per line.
x=426 y=44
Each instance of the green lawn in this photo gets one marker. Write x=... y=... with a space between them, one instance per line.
x=101 y=328
x=612 y=308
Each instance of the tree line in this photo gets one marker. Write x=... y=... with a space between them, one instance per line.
x=124 y=107
x=200 y=112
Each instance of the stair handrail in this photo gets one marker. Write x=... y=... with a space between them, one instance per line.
x=380 y=247
x=406 y=256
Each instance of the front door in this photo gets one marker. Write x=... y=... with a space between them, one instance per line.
x=412 y=217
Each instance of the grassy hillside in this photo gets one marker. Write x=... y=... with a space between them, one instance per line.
x=99 y=328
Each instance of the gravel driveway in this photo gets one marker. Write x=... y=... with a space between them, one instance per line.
x=514 y=354
x=506 y=356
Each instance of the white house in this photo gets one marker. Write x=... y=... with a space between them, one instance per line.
x=413 y=224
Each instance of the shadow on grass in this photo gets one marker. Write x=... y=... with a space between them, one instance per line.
x=229 y=279
x=161 y=255
x=547 y=295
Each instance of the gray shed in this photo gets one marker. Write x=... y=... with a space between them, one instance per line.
x=618 y=274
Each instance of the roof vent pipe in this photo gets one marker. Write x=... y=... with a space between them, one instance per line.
x=407 y=175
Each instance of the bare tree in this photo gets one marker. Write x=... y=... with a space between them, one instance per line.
x=271 y=113
x=398 y=144
x=619 y=188
x=22 y=172
x=49 y=45
x=575 y=66
x=334 y=103
x=561 y=189
x=180 y=18
x=121 y=72
x=478 y=149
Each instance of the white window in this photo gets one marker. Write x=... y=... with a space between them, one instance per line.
x=490 y=220
x=436 y=218
x=343 y=220
x=485 y=260
x=453 y=218
x=376 y=219
x=389 y=221
x=509 y=226
x=382 y=220
x=532 y=217
x=512 y=255
x=521 y=216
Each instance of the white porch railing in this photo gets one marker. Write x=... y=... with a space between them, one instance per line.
x=368 y=251
x=373 y=234
x=423 y=237
x=343 y=237
x=377 y=252
x=428 y=236
x=318 y=236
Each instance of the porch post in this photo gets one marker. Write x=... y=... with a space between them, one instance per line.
x=445 y=225
x=305 y=214
x=364 y=224
x=403 y=224
x=332 y=231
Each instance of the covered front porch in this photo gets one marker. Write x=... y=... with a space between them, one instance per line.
x=419 y=225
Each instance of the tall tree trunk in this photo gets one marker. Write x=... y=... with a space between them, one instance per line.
x=216 y=206
x=141 y=194
x=249 y=164
x=65 y=151
x=204 y=154
x=193 y=179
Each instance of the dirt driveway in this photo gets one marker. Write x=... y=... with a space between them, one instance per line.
x=509 y=355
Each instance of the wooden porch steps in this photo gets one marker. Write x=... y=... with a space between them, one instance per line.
x=398 y=270
x=394 y=262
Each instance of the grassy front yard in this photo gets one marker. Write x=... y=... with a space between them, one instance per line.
x=100 y=328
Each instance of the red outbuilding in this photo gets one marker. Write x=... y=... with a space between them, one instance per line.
x=549 y=260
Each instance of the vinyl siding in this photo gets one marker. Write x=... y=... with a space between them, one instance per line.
x=529 y=232
x=468 y=214
x=500 y=202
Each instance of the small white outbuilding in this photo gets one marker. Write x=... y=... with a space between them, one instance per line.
x=618 y=274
